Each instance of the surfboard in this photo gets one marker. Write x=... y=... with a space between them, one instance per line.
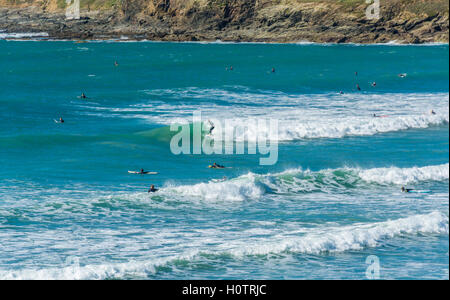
x=420 y=192
x=218 y=180
x=216 y=168
x=145 y=173
x=57 y=122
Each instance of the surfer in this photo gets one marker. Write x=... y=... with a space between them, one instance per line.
x=273 y=70
x=152 y=189
x=142 y=171
x=358 y=87
x=216 y=166
x=403 y=75
x=341 y=93
x=374 y=84
x=116 y=64
x=212 y=126
x=405 y=190
x=83 y=96
x=61 y=120
x=433 y=112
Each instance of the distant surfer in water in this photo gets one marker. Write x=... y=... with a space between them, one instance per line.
x=374 y=84
x=116 y=64
x=152 y=189
x=83 y=96
x=212 y=126
x=358 y=87
x=61 y=120
x=405 y=190
x=433 y=112
x=216 y=166
x=403 y=75
x=142 y=171
x=273 y=70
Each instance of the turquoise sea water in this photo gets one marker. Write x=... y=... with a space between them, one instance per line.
x=69 y=208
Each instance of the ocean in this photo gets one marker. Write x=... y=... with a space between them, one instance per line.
x=329 y=207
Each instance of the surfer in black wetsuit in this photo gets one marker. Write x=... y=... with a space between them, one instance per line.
x=358 y=87
x=216 y=166
x=152 y=189
x=142 y=171
x=83 y=96
x=212 y=127
x=405 y=190
x=61 y=120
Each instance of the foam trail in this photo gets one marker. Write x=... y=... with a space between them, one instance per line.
x=316 y=241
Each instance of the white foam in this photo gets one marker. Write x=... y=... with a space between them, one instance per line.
x=394 y=175
x=311 y=241
x=299 y=116
x=354 y=237
x=254 y=186
x=22 y=35
x=240 y=189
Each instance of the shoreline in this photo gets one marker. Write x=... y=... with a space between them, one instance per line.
x=37 y=38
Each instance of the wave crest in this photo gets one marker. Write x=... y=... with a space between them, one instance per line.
x=253 y=186
x=313 y=241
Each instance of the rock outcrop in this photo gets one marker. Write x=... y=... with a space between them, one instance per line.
x=344 y=21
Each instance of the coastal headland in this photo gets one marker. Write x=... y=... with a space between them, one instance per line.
x=283 y=21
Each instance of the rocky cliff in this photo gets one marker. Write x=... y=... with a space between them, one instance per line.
x=408 y=21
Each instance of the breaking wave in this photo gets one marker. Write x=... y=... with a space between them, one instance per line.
x=253 y=186
x=311 y=241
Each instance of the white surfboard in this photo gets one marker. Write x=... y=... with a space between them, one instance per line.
x=145 y=173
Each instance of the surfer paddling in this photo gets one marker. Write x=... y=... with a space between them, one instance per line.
x=152 y=189
x=142 y=172
x=405 y=190
x=216 y=166
x=60 y=121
